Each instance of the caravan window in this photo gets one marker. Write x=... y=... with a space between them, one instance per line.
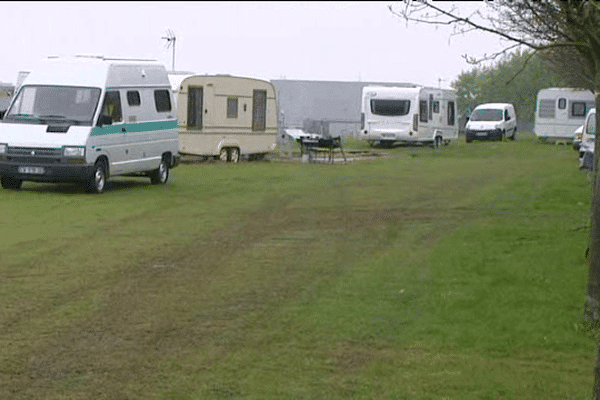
x=578 y=109
x=232 y=107
x=562 y=103
x=162 y=100
x=393 y=108
x=546 y=108
x=436 y=107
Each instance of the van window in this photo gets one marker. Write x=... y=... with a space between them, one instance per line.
x=390 y=107
x=562 y=103
x=232 y=107
x=162 y=100
x=40 y=104
x=485 y=114
x=133 y=98
x=578 y=109
x=112 y=105
x=259 y=110
x=451 y=113
x=506 y=115
x=423 y=111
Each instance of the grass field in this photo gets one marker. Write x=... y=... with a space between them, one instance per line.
x=455 y=273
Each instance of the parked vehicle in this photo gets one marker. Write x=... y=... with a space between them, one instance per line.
x=560 y=111
x=492 y=121
x=415 y=115
x=226 y=117
x=86 y=118
x=588 y=139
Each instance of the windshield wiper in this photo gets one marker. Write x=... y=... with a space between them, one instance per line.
x=62 y=118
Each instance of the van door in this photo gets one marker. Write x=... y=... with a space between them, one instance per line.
x=111 y=138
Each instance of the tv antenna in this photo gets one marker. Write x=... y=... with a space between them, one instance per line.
x=170 y=38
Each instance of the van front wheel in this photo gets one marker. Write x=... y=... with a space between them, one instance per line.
x=11 y=183
x=97 y=182
x=160 y=176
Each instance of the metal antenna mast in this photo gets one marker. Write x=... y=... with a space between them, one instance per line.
x=170 y=38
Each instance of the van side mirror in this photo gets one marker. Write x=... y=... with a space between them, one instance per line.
x=467 y=120
x=104 y=120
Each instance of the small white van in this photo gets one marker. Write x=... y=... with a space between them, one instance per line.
x=492 y=121
x=85 y=118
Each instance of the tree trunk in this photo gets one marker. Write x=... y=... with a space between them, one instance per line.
x=592 y=302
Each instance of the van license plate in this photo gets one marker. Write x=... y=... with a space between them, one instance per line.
x=31 y=170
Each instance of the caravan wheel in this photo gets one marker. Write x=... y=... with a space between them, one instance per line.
x=234 y=154
x=437 y=142
x=224 y=154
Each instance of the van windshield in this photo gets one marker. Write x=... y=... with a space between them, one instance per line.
x=45 y=104
x=591 y=126
x=390 y=107
x=486 y=115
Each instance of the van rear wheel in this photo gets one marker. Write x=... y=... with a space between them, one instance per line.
x=160 y=175
x=224 y=154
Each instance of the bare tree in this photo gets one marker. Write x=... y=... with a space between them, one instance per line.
x=567 y=34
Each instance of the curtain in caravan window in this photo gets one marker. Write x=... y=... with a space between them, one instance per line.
x=194 y=117
x=259 y=110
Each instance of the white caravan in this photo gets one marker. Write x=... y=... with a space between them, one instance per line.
x=85 y=118
x=226 y=117
x=408 y=114
x=560 y=111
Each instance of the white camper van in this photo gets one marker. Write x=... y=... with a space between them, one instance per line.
x=417 y=115
x=492 y=121
x=560 y=111
x=85 y=118
x=226 y=117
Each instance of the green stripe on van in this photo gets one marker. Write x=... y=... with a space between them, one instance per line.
x=134 y=127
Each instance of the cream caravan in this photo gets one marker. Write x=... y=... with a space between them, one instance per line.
x=560 y=111
x=86 y=118
x=226 y=117
x=408 y=114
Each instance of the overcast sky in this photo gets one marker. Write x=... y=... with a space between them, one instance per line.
x=342 y=41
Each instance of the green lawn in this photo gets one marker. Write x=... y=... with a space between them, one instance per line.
x=452 y=273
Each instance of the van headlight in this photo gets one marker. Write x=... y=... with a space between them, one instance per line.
x=3 y=149
x=73 y=151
